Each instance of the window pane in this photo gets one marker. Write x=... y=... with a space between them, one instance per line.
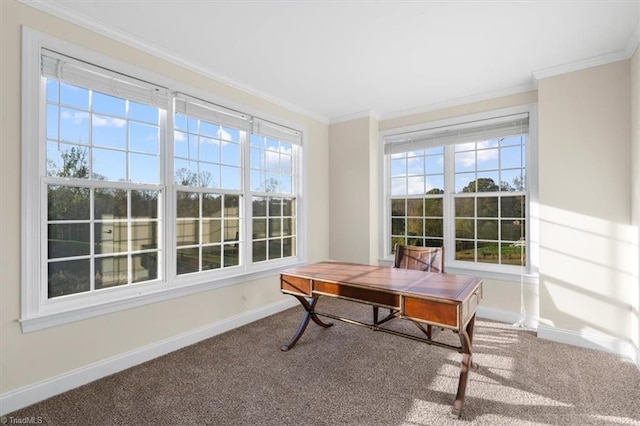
x=188 y=260
x=488 y=252
x=259 y=207
x=231 y=257
x=231 y=230
x=110 y=237
x=465 y=228
x=512 y=207
x=415 y=227
x=144 y=235
x=188 y=204
x=399 y=186
x=275 y=227
x=68 y=240
x=187 y=232
x=259 y=251
x=465 y=182
x=415 y=207
x=288 y=247
x=211 y=231
x=288 y=207
x=487 y=182
x=211 y=257
x=513 y=180
x=144 y=204
x=230 y=177
x=398 y=207
x=106 y=104
x=275 y=249
x=435 y=184
x=52 y=122
x=111 y=271
x=511 y=157
x=74 y=126
x=465 y=161
x=52 y=90
x=512 y=230
x=68 y=277
x=488 y=159
x=259 y=228
x=110 y=204
x=398 y=226
x=433 y=228
x=211 y=205
x=145 y=266
x=415 y=185
x=487 y=229
x=74 y=96
x=433 y=207
x=209 y=150
x=232 y=206
x=144 y=138
x=141 y=112
x=109 y=165
x=68 y=203
x=488 y=207
x=511 y=254
x=435 y=164
x=275 y=207
x=465 y=207
x=144 y=168
x=465 y=250
x=288 y=227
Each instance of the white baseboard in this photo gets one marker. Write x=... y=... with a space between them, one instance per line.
x=508 y=317
x=583 y=340
x=590 y=341
x=30 y=394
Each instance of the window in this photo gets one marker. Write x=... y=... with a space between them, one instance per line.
x=462 y=186
x=134 y=190
x=102 y=178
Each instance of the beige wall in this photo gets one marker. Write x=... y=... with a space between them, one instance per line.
x=635 y=195
x=586 y=241
x=31 y=358
x=353 y=185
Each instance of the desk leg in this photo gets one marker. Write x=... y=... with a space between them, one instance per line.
x=308 y=314
x=466 y=339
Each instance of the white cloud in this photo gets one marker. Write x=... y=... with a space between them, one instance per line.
x=99 y=121
x=178 y=136
x=76 y=117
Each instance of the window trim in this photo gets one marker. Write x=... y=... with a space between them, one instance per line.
x=500 y=272
x=36 y=315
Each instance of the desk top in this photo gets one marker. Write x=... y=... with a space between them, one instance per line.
x=409 y=282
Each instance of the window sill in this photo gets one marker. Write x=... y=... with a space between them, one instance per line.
x=526 y=278
x=59 y=317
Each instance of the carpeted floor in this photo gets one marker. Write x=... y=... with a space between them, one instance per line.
x=347 y=375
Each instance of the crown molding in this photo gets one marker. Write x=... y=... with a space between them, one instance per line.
x=619 y=55
x=634 y=40
x=69 y=15
x=460 y=101
x=354 y=116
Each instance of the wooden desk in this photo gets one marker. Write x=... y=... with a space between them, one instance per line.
x=433 y=299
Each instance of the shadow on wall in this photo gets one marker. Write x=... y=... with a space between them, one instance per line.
x=587 y=274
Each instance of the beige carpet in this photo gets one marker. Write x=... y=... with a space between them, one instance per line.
x=347 y=375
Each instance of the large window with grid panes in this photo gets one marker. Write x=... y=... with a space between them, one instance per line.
x=462 y=186
x=135 y=186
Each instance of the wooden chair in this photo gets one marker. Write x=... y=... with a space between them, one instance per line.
x=428 y=259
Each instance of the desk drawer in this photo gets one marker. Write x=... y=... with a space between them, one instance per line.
x=357 y=294
x=295 y=285
x=439 y=313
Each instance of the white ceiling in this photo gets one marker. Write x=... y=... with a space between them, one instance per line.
x=333 y=59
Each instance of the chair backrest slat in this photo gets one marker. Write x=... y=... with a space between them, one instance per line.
x=429 y=259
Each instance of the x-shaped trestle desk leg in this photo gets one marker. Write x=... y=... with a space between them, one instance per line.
x=309 y=314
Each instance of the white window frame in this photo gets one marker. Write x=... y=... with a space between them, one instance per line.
x=38 y=312
x=528 y=274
